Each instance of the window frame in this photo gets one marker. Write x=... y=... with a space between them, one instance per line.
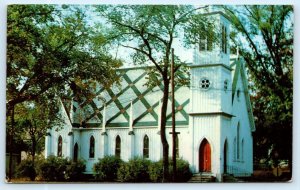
x=207 y=82
x=146 y=147
x=92 y=147
x=118 y=146
x=59 y=146
x=224 y=39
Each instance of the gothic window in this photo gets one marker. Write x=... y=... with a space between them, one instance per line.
x=238 y=142
x=204 y=83
x=238 y=94
x=225 y=85
x=224 y=39
x=75 y=154
x=234 y=148
x=118 y=147
x=242 y=151
x=146 y=147
x=92 y=147
x=59 y=146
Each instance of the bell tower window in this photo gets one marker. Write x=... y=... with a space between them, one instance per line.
x=224 y=39
x=206 y=39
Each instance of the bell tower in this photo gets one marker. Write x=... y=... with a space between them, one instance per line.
x=210 y=72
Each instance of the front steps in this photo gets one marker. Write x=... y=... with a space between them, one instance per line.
x=202 y=178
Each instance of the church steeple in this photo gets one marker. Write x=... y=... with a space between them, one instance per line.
x=213 y=46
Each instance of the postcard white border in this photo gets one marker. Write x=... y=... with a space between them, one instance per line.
x=295 y=184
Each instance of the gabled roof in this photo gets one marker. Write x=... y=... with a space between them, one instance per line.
x=145 y=101
x=239 y=70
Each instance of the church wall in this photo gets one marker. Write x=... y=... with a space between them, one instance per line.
x=206 y=127
x=228 y=135
x=226 y=95
x=56 y=131
x=125 y=142
x=245 y=160
x=82 y=136
x=185 y=142
x=205 y=100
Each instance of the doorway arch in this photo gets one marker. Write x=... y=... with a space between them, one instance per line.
x=205 y=156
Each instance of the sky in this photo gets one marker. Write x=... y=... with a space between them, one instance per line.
x=296 y=177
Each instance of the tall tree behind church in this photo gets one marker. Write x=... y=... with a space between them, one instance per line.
x=267 y=47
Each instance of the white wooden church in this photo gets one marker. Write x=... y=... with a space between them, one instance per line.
x=213 y=116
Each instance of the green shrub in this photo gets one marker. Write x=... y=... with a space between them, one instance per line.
x=183 y=171
x=106 y=168
x=61 y=169
x=135 y=170
x=74 y=170
x=53 y=168
x=156 y=171
x=26 y=169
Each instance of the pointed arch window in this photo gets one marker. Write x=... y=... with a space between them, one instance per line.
x=238 y=142
x=242 y=151
x=92 y=147
x=118 y=147
x=146 y=147
x=59 y=146
x=75 y=154
x=234 y=148
x=238 y=94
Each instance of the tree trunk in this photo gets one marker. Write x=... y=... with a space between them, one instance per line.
x=33 y=174
x=33 y=150
x=173 y=119
x=11 y=139
x=163 y=130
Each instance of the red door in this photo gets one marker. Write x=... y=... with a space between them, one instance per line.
x=205 y=157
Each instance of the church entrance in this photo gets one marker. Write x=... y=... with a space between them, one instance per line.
x=204 y=157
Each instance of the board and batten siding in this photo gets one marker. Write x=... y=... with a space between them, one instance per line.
x=206 y=127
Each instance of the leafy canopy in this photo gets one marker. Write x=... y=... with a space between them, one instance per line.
x=51 y=48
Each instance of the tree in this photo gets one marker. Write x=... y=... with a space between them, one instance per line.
x=150 y=31
x=51 y=50
x=34 y=120
x=268 y=50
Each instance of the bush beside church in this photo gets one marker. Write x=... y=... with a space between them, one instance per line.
x=107 y=169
